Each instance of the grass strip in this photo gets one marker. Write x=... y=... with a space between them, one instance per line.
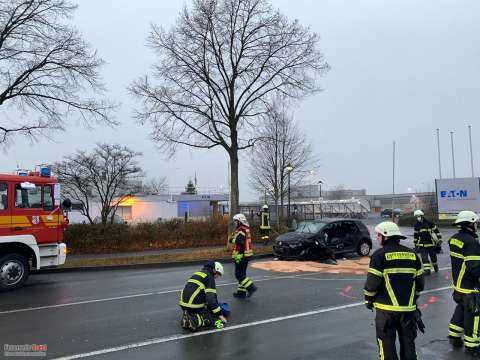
x=190 y=255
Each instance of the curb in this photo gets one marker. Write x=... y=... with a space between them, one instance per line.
x=139 y=266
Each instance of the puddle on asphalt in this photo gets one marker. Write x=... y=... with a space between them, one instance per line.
x=352 y=266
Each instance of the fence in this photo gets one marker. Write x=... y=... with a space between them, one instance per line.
x=353 y=208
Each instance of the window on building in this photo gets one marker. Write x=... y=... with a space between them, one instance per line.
x=3 y=196
x=125 y=212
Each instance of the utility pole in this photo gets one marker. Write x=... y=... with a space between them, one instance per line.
x=453 y=154
x=438 y=149
x=471 y=149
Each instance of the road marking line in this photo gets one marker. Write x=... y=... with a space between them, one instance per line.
x=340 y=279
x=126 y=297
x=229 y=328
x=265 y=278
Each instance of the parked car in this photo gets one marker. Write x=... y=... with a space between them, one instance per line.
x=320 y=238
x=387 y=213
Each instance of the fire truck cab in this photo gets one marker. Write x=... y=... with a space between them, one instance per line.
x=32 y=224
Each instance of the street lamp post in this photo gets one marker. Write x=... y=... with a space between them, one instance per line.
x=289 y=169
x=320 y=182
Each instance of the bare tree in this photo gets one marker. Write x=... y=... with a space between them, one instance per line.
x=107 y=175
x=155 y=186
x=281 y=144
x=218 y=69
x=44 y=65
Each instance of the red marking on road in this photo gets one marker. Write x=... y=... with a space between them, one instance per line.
x=435 y=299
x=347 y=292
x=423 y=306
x=430 y=301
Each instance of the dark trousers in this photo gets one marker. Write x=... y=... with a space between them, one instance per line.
x=387 y=325
x=425 y=253
x=202 y=318
x=265 y=234
x=464 y=323
x=244 y=282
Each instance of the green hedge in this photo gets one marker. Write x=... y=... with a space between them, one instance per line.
x=174 y=234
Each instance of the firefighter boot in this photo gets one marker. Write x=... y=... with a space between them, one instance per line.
x=194 y=322
x=184 y=321
x=435 y=267
x=456 y=342
x=251 y=290
x=240 y=294
x=473 y=353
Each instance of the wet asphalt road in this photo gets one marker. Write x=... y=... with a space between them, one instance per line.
x=127 y=314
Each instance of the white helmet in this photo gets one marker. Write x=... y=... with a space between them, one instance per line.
x=218 y=267
x=388 y=229
x=265 y=207
x=418 y=213
x=466 y=216
x=241 y=218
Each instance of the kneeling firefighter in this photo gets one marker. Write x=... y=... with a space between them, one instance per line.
x=465 y=258
x=394 y=282
x=427 y=238
x=199 y=302
x=242 y=251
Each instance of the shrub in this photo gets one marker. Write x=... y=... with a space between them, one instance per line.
x=172 y=234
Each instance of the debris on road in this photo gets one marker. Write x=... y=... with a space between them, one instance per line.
x=354 y=266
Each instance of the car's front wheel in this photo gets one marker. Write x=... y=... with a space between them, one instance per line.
x=364 y=247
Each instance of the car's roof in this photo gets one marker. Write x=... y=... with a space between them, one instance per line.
x=330 y=220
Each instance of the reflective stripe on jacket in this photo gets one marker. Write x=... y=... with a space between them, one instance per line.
x=465 y=258
x=395 y=278
x=242 y=239
x=422 y=235
x=200 y=291
x=265 y=220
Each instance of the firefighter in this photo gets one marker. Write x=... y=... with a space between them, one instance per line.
x=465 y=258
x=242 y=251
x=199 y=302
x=265 y=223
x=394 y=282
x=425 y=242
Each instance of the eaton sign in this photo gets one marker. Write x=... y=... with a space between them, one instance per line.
x=454 y=194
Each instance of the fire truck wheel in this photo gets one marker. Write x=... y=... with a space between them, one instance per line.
x=14 y=271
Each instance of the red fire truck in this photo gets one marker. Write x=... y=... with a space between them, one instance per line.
x=32 y=224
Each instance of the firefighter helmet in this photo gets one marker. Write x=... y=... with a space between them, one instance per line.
x=240 y=218
x=418 y=213
x=466 y=216
x=265 y=207
x=218 y=268
x=389 y=229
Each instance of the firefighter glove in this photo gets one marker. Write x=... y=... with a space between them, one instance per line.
x=369 y=304
x=238 y=258
x=418 y=320
x=219 y=324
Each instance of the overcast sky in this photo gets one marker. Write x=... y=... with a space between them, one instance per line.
x=400 y=69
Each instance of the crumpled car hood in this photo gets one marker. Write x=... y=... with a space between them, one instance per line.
x=295 y=237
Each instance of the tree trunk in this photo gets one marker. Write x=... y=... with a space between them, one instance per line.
x=234 y=192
